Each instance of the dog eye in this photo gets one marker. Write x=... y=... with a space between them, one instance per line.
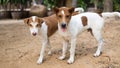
x=67 y=16
x=59 y=16
x=37 y=25
x=30 y=25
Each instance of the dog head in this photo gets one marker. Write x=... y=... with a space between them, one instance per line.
x=34 y=23
x=63 y=15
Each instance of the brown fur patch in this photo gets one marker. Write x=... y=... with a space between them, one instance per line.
x=28 y=20
x=40 y=21
x=37 y=19
x=63 y=17
x=84 y=20
x=75 y=13
x=51 y=21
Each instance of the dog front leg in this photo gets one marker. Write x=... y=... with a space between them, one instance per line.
x=49 y=47
x=64 y=50
x=72 y=51
x=40 y=60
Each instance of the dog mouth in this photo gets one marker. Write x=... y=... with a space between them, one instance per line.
x=63 y=27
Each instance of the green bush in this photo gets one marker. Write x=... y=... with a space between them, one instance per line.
x=2 y=2
x=50 y=3
x=116 y=5
x=82 y=4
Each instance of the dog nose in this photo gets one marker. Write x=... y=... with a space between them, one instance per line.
x=34 y=34
x=63 y=25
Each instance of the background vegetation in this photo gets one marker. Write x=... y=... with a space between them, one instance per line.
x=111 y=5
x=114 y=5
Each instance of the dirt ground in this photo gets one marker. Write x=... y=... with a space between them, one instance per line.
x=18 y=49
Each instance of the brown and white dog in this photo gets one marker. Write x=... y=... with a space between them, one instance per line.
x=72 y=26
x=48 y=26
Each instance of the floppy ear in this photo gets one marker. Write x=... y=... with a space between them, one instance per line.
x=55 y=10
x=40 y=20
x=26 y=20
x=75 y=13
x=71 y=10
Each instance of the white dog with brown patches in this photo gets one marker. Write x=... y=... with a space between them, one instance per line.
x=48 y=26
x=74 y=25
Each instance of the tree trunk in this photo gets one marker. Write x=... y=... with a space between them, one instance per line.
x=34 y=2
x=74 y=3
x=39 y=1
x=95 y=4
x=69 y=3
x=108 y=5
x=61 y=3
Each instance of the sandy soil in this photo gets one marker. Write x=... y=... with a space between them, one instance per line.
x=18 y=49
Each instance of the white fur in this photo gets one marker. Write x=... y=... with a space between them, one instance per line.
x=63 y=12
x=61 y=32
x=33 y=29
x=79 y=9
x=43 y=29
x=75 y=27
x=33 y=18
x=107 y=15
x=65 y=45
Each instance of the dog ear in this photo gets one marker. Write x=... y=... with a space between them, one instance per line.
x=71 y=10
x=55 y=10
x=26 y=20
x=75 y=13
x=40 y=20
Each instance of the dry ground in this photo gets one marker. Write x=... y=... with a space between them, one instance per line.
x=18 y=49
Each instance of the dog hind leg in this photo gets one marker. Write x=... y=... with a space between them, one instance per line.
x=98 y=36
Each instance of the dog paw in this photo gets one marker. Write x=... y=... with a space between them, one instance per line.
x=39 y=61
x=97 y=54
x=50 y=53
x=70 y=61
x=61 y=57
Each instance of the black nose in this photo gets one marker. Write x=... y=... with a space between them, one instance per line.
x=63 y=25
x=34 y=34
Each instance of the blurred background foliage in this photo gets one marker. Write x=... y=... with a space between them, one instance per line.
x=50 y=3
x=9 y=4
x=22 y=8
x=81 y=3
x=86 y=3
x=57 y=3
x=116 y=6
